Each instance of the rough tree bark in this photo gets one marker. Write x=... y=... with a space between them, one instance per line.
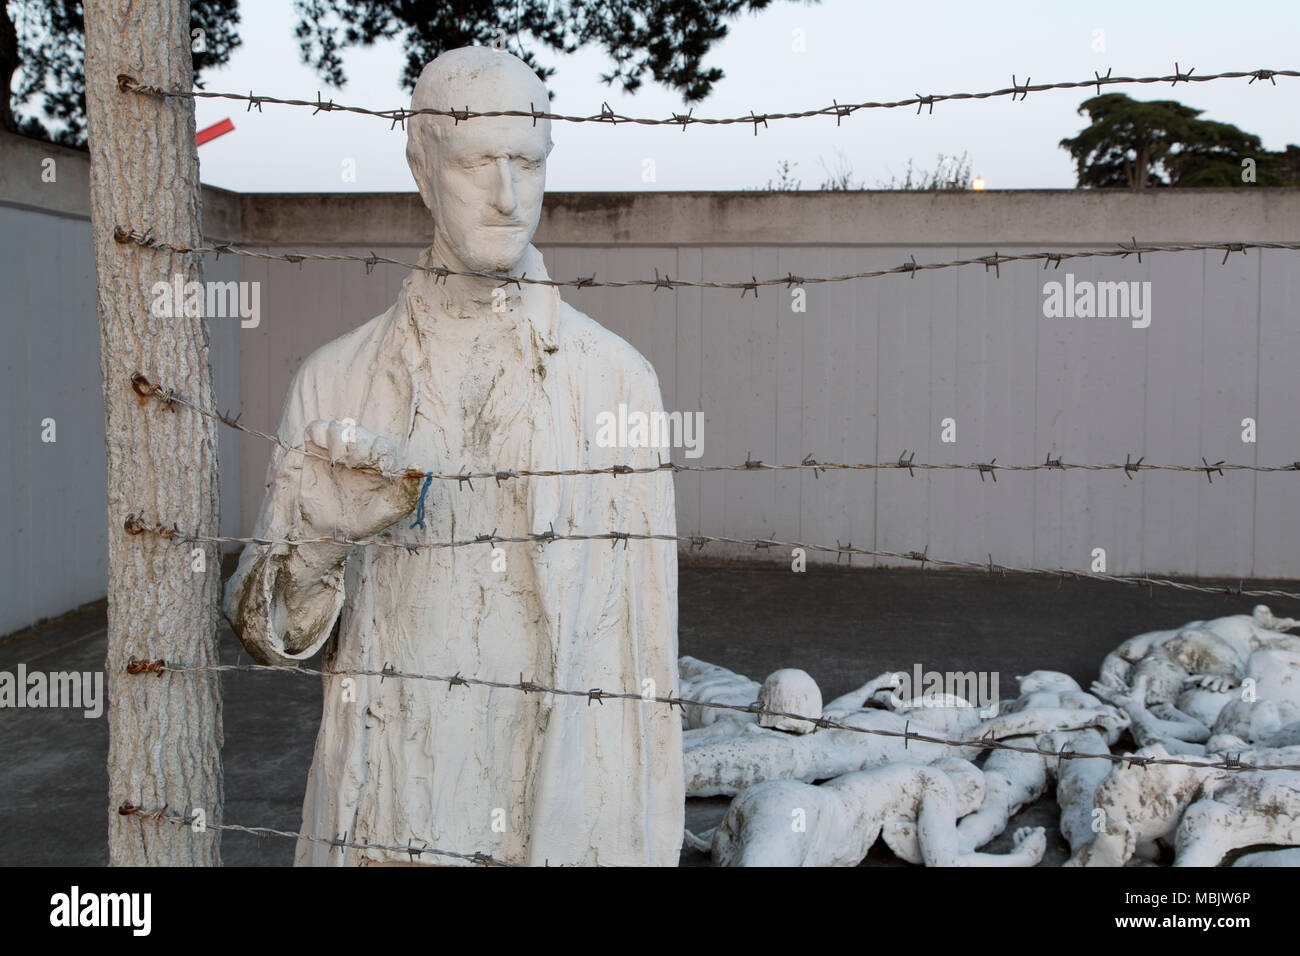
x=164 y=730
x=8 y=63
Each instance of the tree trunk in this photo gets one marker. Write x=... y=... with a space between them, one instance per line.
x=8 y=63
x=164 y=730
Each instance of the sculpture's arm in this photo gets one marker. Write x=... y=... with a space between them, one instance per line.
x=937 y=835
x=857 y=699
x=1048 y=720
x=283 y=599
x=1148 y=728
x=712 y=684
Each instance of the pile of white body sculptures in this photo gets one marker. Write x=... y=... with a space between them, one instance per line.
x=1227 y=688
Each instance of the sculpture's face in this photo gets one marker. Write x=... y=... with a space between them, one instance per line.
x=485 y=185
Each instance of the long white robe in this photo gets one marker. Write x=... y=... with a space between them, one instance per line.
x=529 y=778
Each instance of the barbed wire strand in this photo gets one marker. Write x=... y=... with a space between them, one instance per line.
x=168 y=397
x=596 y=695
x=1016 y=90
x=161 y=814
x=146 y=240
x=137 y=525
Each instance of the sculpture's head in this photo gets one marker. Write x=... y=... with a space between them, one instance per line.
x=790 y=691
x=482 y=178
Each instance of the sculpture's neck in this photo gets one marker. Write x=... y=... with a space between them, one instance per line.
x=456 y=311
x=472 y=299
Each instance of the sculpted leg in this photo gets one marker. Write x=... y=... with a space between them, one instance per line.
x=1208 y=832
x=1139 y=804
x=1252 y=808
x=1077 y=781
x=1011 y=781
x=929 y=796
x=1288 y=857
x=936 y=830
x=783 y=823
x=970 y=788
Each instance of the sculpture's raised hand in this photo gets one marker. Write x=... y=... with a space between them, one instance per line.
x=337 y=497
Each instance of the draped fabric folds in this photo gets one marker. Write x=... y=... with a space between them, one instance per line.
x=529 y=778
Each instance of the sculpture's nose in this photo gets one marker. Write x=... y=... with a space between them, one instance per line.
x=504 y=192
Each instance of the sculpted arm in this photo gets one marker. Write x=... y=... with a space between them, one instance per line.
x=284 y=598
x=857 y=699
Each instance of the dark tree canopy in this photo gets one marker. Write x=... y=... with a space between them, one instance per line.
x=1140 y=145
x=50 y=49
x=665 y=39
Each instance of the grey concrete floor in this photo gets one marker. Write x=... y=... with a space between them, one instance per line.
x=842 y=626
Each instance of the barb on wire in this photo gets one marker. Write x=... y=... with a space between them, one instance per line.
x=130 y=84
x=125 y=234
x=483 y=859
x=137 y=525
x=169 y=398
x=986 y=742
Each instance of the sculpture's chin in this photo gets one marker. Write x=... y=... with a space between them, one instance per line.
x=496 y=257
x=502 y=265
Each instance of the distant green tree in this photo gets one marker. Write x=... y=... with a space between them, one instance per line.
x=46 y=40
x=1286 y=165
x=1141 y=145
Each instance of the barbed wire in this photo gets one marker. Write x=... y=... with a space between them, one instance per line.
x=161 y=814
x=135 y=525
x=169 y=397
x=598 y=696
x=146 y=240
x=127 y=83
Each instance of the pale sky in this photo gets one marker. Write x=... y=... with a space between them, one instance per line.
x=855 y=51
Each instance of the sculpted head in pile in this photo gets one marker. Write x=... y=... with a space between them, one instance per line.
x=790 y=691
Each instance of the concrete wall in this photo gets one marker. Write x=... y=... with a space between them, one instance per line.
x=873 y=366
x=53 y=519
x=868 y=371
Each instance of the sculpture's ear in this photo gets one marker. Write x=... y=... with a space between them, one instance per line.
x=418 y=148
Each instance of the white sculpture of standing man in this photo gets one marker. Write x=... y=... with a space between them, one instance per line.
x=466 y=373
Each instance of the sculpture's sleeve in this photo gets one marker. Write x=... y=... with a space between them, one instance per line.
x=277 y=624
